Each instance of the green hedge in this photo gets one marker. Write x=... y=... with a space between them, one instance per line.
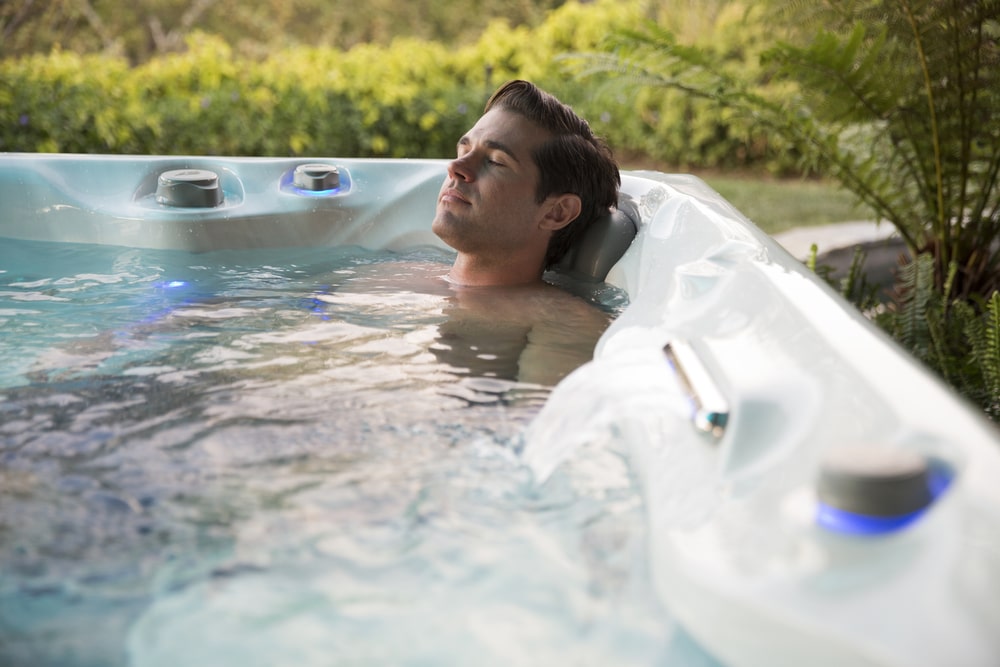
x=411 y=99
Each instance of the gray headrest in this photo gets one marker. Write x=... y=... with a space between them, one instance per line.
x=603 y=244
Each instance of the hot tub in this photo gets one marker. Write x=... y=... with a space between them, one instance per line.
x=793 y=487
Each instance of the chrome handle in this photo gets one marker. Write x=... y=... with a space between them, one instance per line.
x=709 y=408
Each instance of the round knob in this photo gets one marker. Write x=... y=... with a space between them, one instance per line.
x=189 y=188
x=875 y=481
x=316 y=177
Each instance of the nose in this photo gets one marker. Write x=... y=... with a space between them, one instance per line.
x=462 y=169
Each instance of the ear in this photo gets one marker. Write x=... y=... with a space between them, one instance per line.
x=561 y=210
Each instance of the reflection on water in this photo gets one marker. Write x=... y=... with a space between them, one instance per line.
x=252 y=458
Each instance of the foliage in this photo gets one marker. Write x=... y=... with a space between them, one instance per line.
x=141 y=29
x=668 y=123
x=897 y=99
x=407 y=98
x=922 y=94
x=958 y=338
x=854 y=285
x=72 y=97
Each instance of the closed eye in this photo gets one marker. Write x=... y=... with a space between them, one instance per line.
x=465 y=145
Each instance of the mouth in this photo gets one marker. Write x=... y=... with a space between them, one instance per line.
x=451 y=195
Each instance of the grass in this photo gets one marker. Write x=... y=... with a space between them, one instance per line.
x=778 y=205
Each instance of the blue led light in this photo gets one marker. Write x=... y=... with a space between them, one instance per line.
x=939 y=477
x=316 y=193
x=288 y=185
x=177 y=283
x=841 y=521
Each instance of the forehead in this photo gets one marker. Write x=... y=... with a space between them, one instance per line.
x=512 y=131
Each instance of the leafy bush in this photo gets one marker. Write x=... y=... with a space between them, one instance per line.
x=665 y=121
x=958 y=338
x=899 y=101
x=142 y=30
x=411 y=98
x=65 y=102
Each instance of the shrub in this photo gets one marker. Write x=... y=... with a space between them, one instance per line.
x=69 y=103
x=411 y=98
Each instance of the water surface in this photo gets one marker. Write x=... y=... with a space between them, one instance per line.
x=300 y=457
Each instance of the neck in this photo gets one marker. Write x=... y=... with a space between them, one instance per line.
x=472 y=272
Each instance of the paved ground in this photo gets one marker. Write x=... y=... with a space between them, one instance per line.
x=836 y=244
x=833 y=237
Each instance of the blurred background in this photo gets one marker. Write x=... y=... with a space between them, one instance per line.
x=381 y=78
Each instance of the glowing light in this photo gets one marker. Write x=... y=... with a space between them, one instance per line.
x=841 y=521
x=851 y=523
x=316 y=193
x=288 y=185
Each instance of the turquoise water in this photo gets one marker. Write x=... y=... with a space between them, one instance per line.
x=299 y=457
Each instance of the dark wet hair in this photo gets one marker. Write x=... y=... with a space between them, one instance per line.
x=573 y=161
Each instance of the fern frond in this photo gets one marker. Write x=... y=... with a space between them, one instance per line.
x=849 y=283
x=916 y=290
x=984 y=335
x=955 y=361
x=845 y=76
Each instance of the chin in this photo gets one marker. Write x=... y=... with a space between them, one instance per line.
x=441 y=228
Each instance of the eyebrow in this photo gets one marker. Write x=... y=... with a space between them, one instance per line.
x=492 y=144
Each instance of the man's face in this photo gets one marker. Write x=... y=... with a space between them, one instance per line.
x=487 y=204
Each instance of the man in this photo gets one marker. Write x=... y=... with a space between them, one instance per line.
x=530 y=176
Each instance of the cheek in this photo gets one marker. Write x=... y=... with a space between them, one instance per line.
x=520 y=194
